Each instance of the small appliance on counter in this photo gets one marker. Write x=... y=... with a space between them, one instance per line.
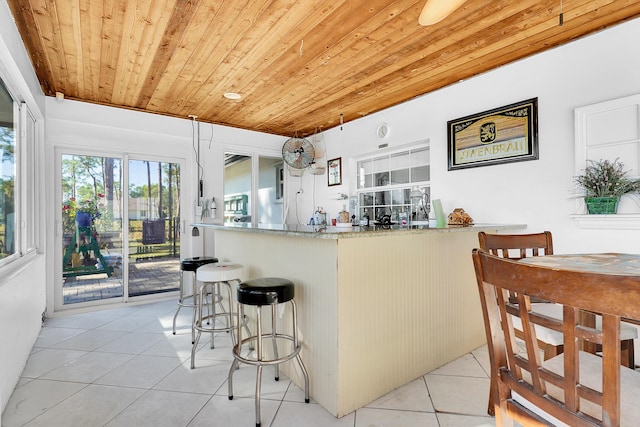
x=320 y=216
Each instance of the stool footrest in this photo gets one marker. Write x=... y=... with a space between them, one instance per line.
x=267 y=340
x=212 y=328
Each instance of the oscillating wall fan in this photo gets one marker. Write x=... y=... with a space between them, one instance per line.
x=300 y=154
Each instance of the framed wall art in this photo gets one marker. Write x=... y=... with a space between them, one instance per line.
x=502 y=135
x=334 y=176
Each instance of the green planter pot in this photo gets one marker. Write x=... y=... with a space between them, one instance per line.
x=602 y=205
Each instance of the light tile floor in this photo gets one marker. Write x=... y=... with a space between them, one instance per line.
x=124 y=367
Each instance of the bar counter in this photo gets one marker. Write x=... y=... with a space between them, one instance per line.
x=377 y=306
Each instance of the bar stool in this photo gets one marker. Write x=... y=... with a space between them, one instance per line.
x=269 y=291
x=213 y=276
x=190 y=264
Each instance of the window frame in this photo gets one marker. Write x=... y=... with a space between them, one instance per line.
x=384 y=157
x=27 y=174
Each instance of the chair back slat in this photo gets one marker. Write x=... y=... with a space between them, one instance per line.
x=576 y=388
x=531 y=344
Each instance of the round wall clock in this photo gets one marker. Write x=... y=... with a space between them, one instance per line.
x=382 y=131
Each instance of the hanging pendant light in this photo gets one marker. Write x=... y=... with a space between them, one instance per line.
x=435 y=11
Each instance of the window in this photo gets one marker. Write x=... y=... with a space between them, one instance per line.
x=279 y=182
x=18 y=170
x=251 y=188
x=385 y=183
x=8 y=232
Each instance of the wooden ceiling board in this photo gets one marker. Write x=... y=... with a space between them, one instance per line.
x=201 y=52
x=372 y=72
x=92 y=46
x=25 y=18
x=248 y=54
x=172 y=37
x=263 y=66
x=318 y=74
x=47 y=29
x=464 y=66
x=110 y=24
x=297 y=64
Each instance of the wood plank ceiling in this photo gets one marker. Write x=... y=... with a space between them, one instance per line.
x=298 y=65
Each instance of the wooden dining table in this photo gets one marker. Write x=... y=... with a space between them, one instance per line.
x=605 y=263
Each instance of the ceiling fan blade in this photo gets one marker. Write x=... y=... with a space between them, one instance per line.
x=435 y=11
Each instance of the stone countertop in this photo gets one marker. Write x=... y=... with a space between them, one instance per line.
x=354 y=231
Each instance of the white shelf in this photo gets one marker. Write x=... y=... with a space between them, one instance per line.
x=609 y=222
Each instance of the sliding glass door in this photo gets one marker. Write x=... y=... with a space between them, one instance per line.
x=153 y=226
x=120 y=235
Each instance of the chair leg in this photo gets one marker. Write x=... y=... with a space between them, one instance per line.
x=491 y=410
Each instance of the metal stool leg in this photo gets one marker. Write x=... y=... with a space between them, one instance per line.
x=258 y=383
x=259 y=357
x=236 y=348
x=305 y=374
x=198 y=324
x=226 y=312
x=215 y=296
x=180 y=301
x=273 y=341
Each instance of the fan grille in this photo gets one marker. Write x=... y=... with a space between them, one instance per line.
x=298 y=153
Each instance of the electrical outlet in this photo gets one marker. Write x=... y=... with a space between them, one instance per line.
x=198 y=210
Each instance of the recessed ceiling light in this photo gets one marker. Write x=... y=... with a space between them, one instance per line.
x=232 y=95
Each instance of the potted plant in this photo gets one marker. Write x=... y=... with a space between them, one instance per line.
x=603 y=183
x=83 y=211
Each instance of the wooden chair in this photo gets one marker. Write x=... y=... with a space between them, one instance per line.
x=518 y=246
x=576 y=388
x=550 y=342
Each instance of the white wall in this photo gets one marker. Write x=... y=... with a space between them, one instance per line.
x=22 y=284
x=537 y=193
x=600 y=67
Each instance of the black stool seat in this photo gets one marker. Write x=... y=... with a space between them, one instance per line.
x=192 y=264
x=265 y=291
